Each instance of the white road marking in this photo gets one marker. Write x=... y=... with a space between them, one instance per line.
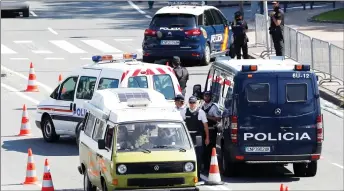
x=47 y=88
x=33 y=14
x=20 y=94
x=335 y=164
x=102 y=46
x=19 y=58
x=123 y=39
x=6 y=50
x=53 y=58
x=136 y=7
x=67 y=46
x=41 y=51
x=148 y=16
x=85 y=58
x=139 y=50
x=52 y=31
x=22 y=41
x=32 y=46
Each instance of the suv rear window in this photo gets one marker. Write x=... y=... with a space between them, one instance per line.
x=173 y=20
x=258 y=92
x=296 y=92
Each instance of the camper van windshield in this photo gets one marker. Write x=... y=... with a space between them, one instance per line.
x=152 y=136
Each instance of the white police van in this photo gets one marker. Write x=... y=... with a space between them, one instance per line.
x=271 y=113
x=63 y=111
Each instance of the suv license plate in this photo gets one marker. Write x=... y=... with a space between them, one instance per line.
x=170 y=42
x=257 y=149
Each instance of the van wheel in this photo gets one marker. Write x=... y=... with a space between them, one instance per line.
x=228 y=168
x=48 y=130
x=26 y=12
x=305 y=169
x=77 y=131
x=87 y=184
x=206 y=57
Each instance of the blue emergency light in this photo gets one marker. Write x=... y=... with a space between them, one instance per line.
x=126 y=56
x=302 y=67
x=195 y=3
x=249 y=68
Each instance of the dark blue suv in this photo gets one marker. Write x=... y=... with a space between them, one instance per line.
x=192 y=32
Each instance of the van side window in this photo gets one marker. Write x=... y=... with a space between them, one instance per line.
x=86 y=87
x=258 y=92
x=106 y=83
x=208 y=20
x=200 y=20
x=109 y=137
x=55 y=93
x=138 y=82
x=98 y=130
x=67 y=89
x=216 y=86
x=228 y=93
x=89 y=125
x=209 y=80
x=163 y=84
x=296 y=92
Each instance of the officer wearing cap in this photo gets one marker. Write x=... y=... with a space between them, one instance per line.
x=179 y=102
x=276 y=28
x=197 y=124
x=213 y=117
x=182 y=73
x=239 y=28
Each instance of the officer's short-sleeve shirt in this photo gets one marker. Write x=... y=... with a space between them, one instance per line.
x=278 y=16
x=214 y=110
x=201 y=115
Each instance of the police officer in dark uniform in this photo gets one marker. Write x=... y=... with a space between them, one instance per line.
x=239 y=28
x=182 y=73
x=197 y=124
x=213 y=116
x=276 y=28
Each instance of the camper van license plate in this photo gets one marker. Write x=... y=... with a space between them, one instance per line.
x=170 y=42
x=257 y=149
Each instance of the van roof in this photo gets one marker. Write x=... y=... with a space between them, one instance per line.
x=262 y=64
x=184 y=9
x=131 y=104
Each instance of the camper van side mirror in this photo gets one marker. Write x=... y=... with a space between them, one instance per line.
x=199 y=141
x=197 y=90
x=101 y=144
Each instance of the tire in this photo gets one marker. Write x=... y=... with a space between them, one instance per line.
x=305 y=169
x=228 y=168
x=26 y=12
x=87 y=184
x=48 y=130
x=206 y=58
x=77 y=131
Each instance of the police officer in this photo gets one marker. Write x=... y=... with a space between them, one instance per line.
x=196 y=122
x=213 y=117
x=182 y=73
x=179 y=102
x=239 y=28
x=276 y=28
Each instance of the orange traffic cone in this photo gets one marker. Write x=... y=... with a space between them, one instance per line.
x=214 y=177
x=47 y=184
x=31 y=177
x=32 y=84
x=281 y=187
x=60 y=79
x=25 y=129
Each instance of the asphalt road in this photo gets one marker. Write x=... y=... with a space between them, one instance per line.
x=78 y=26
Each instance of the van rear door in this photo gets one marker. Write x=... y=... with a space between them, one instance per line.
x=297 y=119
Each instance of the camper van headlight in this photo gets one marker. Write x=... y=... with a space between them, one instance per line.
x=189 y=166
x=122 y=169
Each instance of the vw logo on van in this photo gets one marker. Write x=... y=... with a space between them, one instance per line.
x=278 y=111
x=169 y=34
x=156 y=167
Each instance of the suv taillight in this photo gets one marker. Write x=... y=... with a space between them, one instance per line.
x=320 y=129
x=193 y=32
x=150 y=32
x=234 y=129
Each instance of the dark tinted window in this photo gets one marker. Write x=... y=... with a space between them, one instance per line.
x=138 y=82
x=105 y=83
x=217 y=17
x=209 y=20
x=163 y=84
x=296 y=92
x=173 y=20
x=257 y=92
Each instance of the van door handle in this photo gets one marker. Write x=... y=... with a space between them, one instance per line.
x=286 y=127
x=74 y=108
x=71 y=106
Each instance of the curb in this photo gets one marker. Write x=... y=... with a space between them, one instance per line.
x=324 y=93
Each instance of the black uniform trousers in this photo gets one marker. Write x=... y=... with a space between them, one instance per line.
x=240 y=43
x=208 y=149
x=278 y=40
x=199 y=151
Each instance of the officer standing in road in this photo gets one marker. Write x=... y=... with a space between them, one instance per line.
x=276 y=28
x=182 y=73
x=197 y=124
x=239 y=28
x=213 y=117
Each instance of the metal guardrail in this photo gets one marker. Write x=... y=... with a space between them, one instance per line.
x=325 y=58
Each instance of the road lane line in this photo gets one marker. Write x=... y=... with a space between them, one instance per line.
x=33 y=14
x=30 y=45
x=20 y=94
x=147 y=16
x=335 y=164
x=123 y=39
x=136 y=7
x=67 y=46
x=102 y=46
x=6 y=50
x=19 y=58
x=52 y=31
x=48 y=58
x=47 y=88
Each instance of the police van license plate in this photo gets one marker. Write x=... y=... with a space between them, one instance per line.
x=257 y=149
x=170 y=42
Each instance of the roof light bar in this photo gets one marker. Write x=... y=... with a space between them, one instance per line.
x=302 y=67
x=249 y=68
x=126 y=56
